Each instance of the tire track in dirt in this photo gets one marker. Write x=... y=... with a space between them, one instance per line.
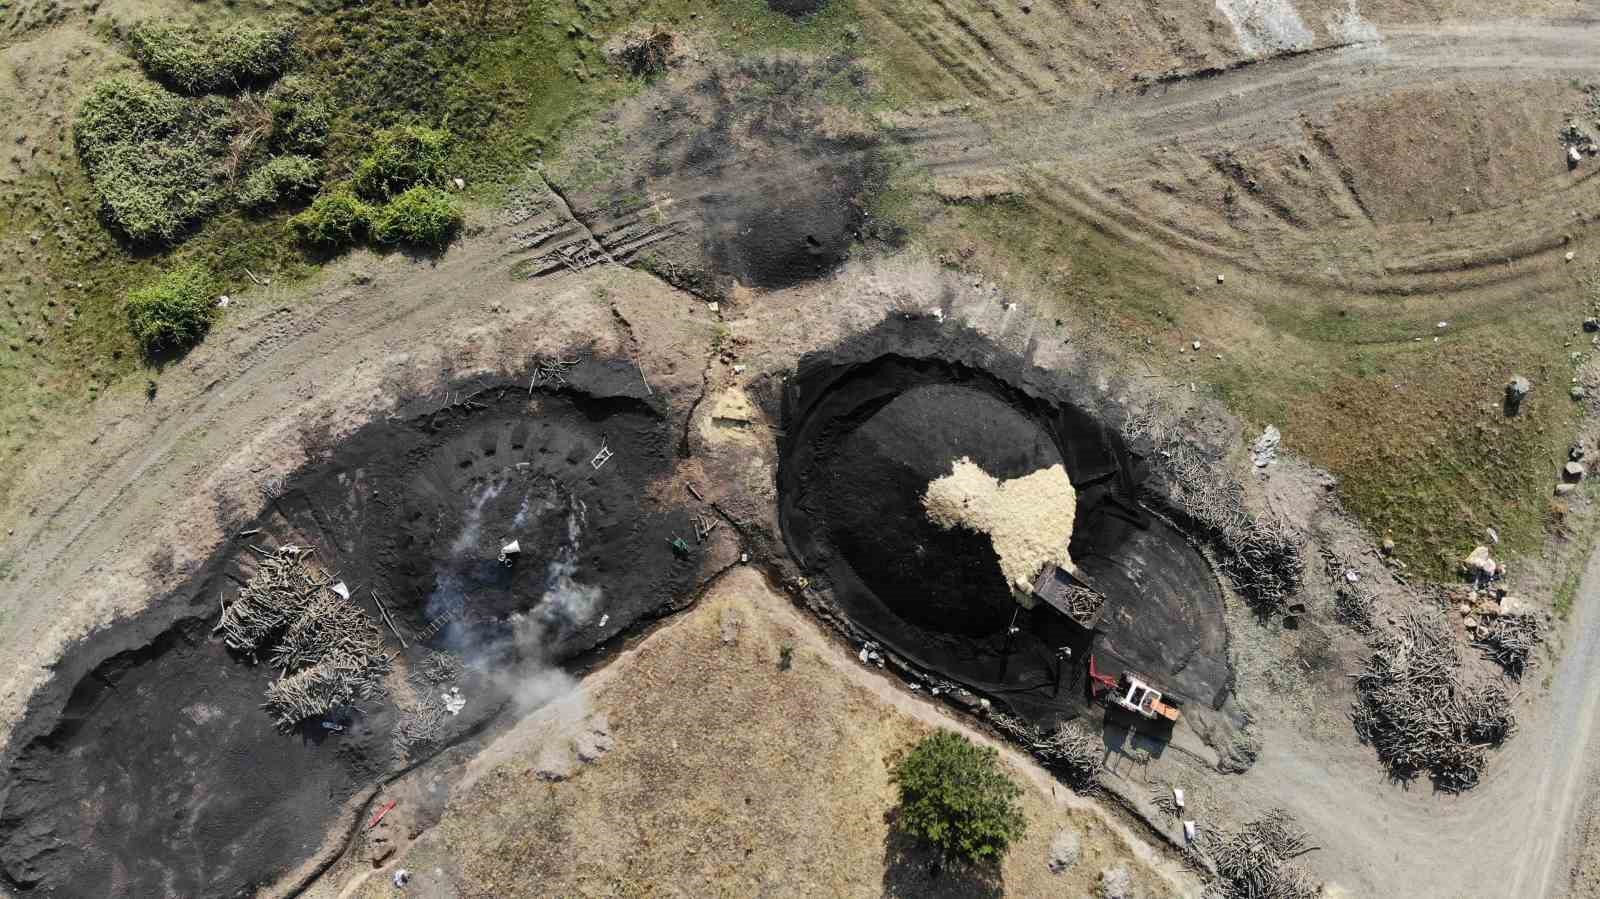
x=1116 y=147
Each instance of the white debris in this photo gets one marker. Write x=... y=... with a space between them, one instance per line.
x=1573 y=156
x=460 y=183
x=604 y=618
x=1220 y=279
x=1189 y=831
x=1265 y=449
x=1494 y=536
x=712 y=308
x=510 y=549
x=1478 y=562
x=341 y=589
x=1196 y=344
x=743 y=558
x=1443 y=325
x=1353 y=576
x=454 y=701
x=1571 y=256
x=401 y=877
x=1177 y=796
x=223 y=301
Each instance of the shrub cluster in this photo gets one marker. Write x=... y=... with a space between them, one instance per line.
x=173 y=313
x=402 y=158
x=197 y=61
x=336 y=219
x=422 y=216
x=954 y=796
x=301 y=117
x=279 y=180
x=154 y=158
x=393 y=197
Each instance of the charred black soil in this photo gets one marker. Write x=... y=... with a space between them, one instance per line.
x=146 y=767
x=743 y=176
x=868 y=426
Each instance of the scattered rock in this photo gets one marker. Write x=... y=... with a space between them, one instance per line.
x=1265 y=449
x=1591 y=324
x=1064 y=850
x=1517 y=391
x=1116 y=883
x=1576 y=452
x=1573 y=470
x=1479 y=562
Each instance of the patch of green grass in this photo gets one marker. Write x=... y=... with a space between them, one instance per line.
x=174 y=312
x=1413 y=430
x=301 y=116
x=198 y=60
x=423 y=217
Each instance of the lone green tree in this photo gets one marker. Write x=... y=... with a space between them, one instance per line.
x=954 y=796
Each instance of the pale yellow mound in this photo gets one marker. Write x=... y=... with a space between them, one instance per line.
x=1028 y=519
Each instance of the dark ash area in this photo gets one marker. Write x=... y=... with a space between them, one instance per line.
x=797 y=9
x=746 y=176
x=869 y=425
x=146 y=766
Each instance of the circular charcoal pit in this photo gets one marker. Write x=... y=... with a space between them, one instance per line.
x=147 y=766
x=869 y=426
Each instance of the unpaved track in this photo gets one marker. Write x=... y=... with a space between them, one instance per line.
x=1111 y=159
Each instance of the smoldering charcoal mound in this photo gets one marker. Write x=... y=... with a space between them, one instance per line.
x=869 y=425
x=147 y=766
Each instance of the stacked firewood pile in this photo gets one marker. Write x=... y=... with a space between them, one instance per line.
x=1082 y=603
x=1509 y=640
x=329 y=651
x=1261 y=556
x=1254 y=861
x=1070 y=750
x=1413 y=707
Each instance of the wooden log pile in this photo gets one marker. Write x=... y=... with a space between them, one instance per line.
x=1413 y=707
x=1083 y=604
x=1261 y=556
x=330 y=652
x=1070 y=750
x=1508 y=640
x=1254 y=861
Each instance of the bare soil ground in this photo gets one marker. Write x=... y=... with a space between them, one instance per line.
x=733 y=774
x=1402 y=181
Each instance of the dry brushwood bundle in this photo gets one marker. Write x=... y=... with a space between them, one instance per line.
x=330 y=652
x=282 y=587
x=330 y=684
x=440 y=667
x=1253 y=862
x=1262 y=557
x=419 y=726
x=1508 y=640
x=1070 y=750
x=1412 y=707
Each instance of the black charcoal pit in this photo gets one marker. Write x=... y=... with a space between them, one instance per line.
x=869 y=425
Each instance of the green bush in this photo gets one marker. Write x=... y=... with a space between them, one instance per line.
x=154 y=158
x=280 y=179
x=172 y=314
x=200 y=61
x=336 y=219
x=422 y=216
x=954 y=795
x=301 y=117
x=402 y=158
x=125 y=110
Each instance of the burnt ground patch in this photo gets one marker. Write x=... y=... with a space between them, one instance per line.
x=146 y=766
x=868 y=425
x=757 y=173
x=797 y=9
